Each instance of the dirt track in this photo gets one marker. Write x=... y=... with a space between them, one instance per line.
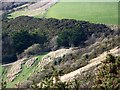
x=31 y=8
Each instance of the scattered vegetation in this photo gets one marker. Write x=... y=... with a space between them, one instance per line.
x=28 y=36
x=108 y=76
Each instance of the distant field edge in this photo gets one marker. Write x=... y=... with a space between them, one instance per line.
x=94 y=12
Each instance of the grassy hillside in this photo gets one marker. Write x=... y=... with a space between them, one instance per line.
x=24 y=74
x=104 y=12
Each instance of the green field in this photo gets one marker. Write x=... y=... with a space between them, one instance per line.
x=97 y=12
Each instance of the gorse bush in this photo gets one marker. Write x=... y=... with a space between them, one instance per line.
x=108 y=76
x=33 y=50
x=3 y=84
x=51 y=82
x=54 y=82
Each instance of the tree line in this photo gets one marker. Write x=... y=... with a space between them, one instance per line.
x=22 y=32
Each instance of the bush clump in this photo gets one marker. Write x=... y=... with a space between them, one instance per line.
x=108 y=76
x=35 y=49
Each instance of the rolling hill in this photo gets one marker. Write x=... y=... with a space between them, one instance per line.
x=34 y=66
x=23 y=70
x=60 y=44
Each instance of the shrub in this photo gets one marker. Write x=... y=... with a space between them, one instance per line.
x=33 y=50
x=108 y=76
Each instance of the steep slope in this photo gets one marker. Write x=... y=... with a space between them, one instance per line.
x=93 y=64
x=71 y=60
x=20 y=71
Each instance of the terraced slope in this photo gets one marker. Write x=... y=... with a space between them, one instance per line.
x=93 y=64
x=20 y=70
